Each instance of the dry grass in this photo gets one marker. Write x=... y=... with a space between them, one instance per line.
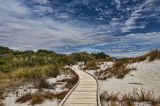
x=1 y=103
x=91 y=65
x=34 y=72
x=35 y=98
x=61 y=95
x=26 y=97
x=136 y=96
x=8 y=85
x=108 y=97
x=71 y=81
x=39 y=97
x=10 y=81
x=119 y=69
x=154 y=54
x=41 y=83
x=151 y=56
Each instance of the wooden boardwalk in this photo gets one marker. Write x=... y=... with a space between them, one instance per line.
x=85 y=94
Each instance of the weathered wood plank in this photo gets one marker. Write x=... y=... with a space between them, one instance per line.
x=85 y=94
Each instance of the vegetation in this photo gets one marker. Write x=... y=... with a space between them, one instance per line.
x=17 y=67
x=11 y=60
x=35 y=98
x=119 y=69
x=1 y=103
x=91 y=65
x=136 y=96
x=120 y=66
x=39 y=96
x=71 y=82
x=100 y=55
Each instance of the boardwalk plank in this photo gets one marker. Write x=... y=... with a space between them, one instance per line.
x=85 y=94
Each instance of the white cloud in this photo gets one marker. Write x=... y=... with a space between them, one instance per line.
x=63 y=16
x=22 y=29
x=33 y=32
x=41 y=1
x=12 y=8
x=118 y=3
x=43 y=9
x=147 y=6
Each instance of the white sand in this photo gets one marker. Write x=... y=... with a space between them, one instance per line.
x=103 y=66
x=59 y=87
x=147 y=76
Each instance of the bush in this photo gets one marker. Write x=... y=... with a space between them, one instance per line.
x=26 y=97
x=1 y=103
x=138 y=96
x=53 y=71
x=119 y=69
x=153 y=55
x=2 y=62
x=35 y=98
x=5 y=50
x=41 y=83
x=91 y=65
x=100 y=55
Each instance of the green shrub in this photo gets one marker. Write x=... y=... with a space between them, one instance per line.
x=2 y=62
x=100 y=55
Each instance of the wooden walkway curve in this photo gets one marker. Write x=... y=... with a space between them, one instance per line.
x=85 y=94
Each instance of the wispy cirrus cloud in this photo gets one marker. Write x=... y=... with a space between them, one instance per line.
x=20 y=28
x=134 y=44
x=145 y=12
x=68 y=26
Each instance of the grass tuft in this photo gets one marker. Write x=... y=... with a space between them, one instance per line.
x=119 y=69
x=61 y=95
x=138 y=96
x=26 y=97
x=91 y=65
x=35 y=98
x=41 y=83
x=1 y=103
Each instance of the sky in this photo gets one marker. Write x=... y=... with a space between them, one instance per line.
x=120 y=28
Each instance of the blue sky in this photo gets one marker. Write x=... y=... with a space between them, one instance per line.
x=116 y=27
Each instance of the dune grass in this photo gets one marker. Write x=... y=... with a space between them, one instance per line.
x=61 y=95
x=119 y=69
x=9 y=85
x=37 y=74
x=35 y=98
x=120 y=66
x=1 y=103
x=136 y=96
x=71 y=82
x=91 y=65
x=17 y=67
x=151 y=56
x=40 y=97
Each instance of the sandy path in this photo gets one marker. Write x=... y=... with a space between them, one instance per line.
x=85 y=94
